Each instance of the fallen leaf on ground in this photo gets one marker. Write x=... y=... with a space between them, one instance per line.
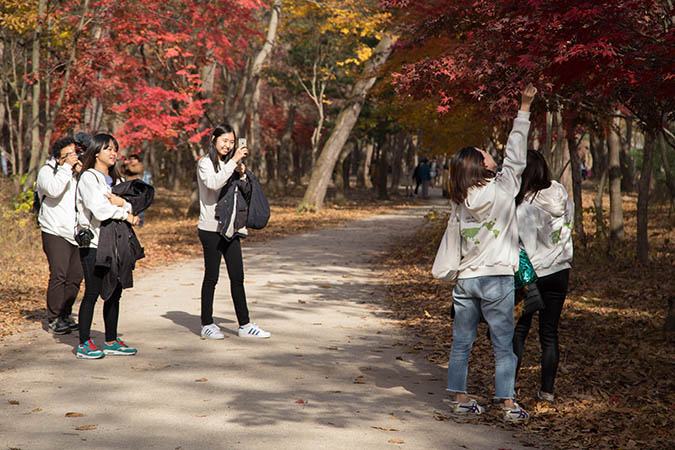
x=201 y=380
x=384 y=429
x=86 y=427
x=396 y=441
x=13 y=402
x=359 y=380
x=74 y=414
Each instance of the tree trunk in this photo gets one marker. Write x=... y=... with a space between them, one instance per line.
x=397 y=162
x=575 y=164
x=643 y=197
x=599 y=154
x=341 y=176
x=35 y=146
x=597 y=203
x=670 y=182
x=382 y=169
x=369 y=147
x=627 y=163
x=285 y=154
x=321 y=174
x=616 y=234
x=255 y=67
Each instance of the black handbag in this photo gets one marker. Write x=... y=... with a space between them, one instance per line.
x=532 y=300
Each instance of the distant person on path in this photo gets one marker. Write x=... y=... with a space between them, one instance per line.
x=416 y=176
x=214 y=170
x=489 y=258
x=56 y=184
x=95 y=204
x=425 y=177
x=545 y=215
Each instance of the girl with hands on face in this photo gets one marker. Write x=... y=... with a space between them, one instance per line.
x=214 y=171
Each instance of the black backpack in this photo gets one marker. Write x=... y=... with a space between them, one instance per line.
x=258 y=206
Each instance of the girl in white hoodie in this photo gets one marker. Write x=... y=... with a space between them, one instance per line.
x=545 y=215
x=489 y=258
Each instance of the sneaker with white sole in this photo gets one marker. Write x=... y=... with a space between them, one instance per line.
x=545 y=396
x=469 y=408
x=252 y=330
x=117 y=347
x=88 y=350
x=515 y=414
x=212 y=332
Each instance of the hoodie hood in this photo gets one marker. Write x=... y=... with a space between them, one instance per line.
x=553 y=199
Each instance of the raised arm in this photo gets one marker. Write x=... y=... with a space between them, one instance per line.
x=516 y=146
x=212 y=179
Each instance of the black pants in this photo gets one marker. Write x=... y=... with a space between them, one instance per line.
x=214 y=246
x=553 y=289
x=93 y=278
x=65 y=275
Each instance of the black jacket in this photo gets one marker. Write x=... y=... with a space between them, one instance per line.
x=253 y=210
x=118 y=247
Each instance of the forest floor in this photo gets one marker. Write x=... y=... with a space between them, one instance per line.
x=616 y=380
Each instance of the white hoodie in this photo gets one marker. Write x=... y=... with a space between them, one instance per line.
x=92 y=205
x=545 y=222
x=210 y=182
x=488 y=215
x=56 y=189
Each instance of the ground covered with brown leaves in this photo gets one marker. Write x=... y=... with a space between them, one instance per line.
x=168 y=236
x=616 y=381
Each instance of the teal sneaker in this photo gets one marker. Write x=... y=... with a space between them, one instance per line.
x=88 y=350
x=118 y=348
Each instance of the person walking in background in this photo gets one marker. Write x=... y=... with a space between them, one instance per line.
x=214 y=170
x=416 y=176
x=95 y=204
x=55 y=189
x=489 y=257
x=425 y=177
x=545 y=216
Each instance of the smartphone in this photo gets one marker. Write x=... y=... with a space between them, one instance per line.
x=241 y=142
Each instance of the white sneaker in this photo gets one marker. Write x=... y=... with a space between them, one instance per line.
x=252 y=330
x=212 y=332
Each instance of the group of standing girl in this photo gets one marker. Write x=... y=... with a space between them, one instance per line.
x=77 y=202
x=499 y=212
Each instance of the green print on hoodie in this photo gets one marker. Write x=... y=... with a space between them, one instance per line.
x=470 y=233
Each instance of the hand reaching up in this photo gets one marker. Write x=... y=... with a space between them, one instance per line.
x=528 y=95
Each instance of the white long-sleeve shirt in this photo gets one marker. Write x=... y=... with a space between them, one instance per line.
x=56 y=189
x=210 y=182
x=92 y=205
x=488 y=223
x=545 y=222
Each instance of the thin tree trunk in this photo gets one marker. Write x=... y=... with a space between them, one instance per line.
x=670 y=182
x=597 y=202
x=643 y=197
x=397 y=162
x=35 y=146
x=615 y=206
x=576 y=186
x=382 y=169
x=340 y=180
x=255 y=68
x=318 y=185
x=366 y=165
x=627 y=163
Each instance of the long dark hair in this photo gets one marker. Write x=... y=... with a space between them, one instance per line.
x=99 y=142
x=214 y=156
x=466 y=171
x=535 y=176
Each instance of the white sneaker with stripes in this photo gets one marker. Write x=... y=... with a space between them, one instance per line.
x=252 y=330
x=212 y=332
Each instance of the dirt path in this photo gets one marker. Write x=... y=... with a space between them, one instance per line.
x=335 y=374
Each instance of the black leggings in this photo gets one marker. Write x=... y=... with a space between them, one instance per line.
x=93 y=279
x=553 y=289
x=214 y=246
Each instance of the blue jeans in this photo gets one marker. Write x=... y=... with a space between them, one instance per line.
x=494 y=296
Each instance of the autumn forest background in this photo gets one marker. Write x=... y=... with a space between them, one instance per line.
x=339 y=100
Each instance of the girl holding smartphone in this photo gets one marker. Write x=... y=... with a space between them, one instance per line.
x=214 y=170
